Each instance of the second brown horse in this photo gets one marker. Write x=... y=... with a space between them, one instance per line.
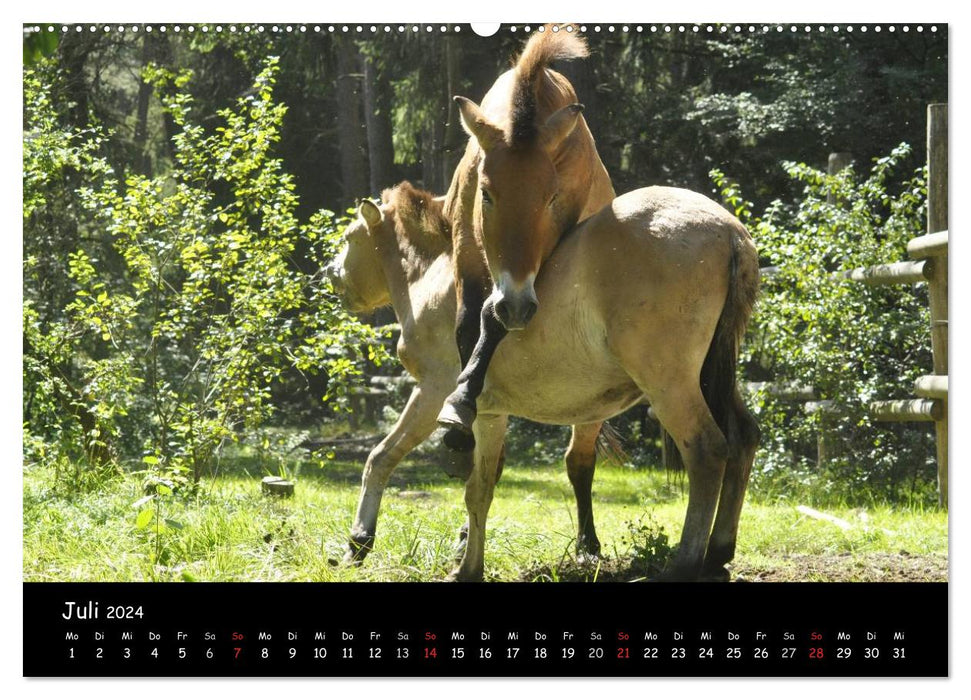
x=530 y=172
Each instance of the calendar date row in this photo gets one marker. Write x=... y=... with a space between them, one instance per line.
x=458 y=653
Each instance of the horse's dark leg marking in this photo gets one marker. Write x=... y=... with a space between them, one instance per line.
x=581 y=461
x=721 y=546
x=458 y=413
x=467 y=320
x=704 y=451
x=471 y=299
x=704 y=458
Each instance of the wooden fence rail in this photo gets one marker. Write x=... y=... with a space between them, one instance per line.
x=929 y=263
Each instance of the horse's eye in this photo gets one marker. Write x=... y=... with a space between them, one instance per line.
x=486 y=197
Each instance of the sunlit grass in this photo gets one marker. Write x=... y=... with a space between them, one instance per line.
x=229 y=531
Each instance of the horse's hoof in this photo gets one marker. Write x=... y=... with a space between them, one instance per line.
x=457 y=575
x=457 y=463
x=351 y=558
x=588 y=558
x=588 y=549
x=459 y=440
x=715 y=574
x=678 y=573
x=457 y=415
x=357 y=549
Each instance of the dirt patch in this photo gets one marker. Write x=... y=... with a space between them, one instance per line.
x=848 y=567
x=873 y=567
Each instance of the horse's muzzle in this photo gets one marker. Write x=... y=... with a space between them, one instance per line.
x=514 y=311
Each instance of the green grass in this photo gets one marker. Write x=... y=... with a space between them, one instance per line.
x=230 y=532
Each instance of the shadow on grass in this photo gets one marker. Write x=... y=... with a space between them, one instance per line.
x=545 y=482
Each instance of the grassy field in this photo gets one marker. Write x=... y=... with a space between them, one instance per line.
x=228 y=531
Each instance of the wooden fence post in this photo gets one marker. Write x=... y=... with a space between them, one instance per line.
x=937 y=286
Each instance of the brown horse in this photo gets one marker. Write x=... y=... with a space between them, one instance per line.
x=647 y=298
x=408 y=265
x=530 y=172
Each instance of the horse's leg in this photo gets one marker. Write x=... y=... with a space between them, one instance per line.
x=458 y=413
x=472 y=284
x=471 y=297
x=415 y=424
x=721 y=546
x=464 y=530
x=489 y=433
x=682 y=411
x=581 y=460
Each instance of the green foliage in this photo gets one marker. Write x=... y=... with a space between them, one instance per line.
x=69 y=421
x=647 y=544
x=38 y=45
x=150 y=520
x=201 y=290
x=852 y=343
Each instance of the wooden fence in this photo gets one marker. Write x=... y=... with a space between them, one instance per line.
x=929 y=263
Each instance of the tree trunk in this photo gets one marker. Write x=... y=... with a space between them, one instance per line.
x=350 y=125
x=377 y=114
x=158 y=50
x=455 y=139
x=143 y=160
x=74 y=51
x=433 y=136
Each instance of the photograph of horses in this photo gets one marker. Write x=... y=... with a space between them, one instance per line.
x=282 y=279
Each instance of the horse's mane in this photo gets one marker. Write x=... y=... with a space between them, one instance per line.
x=540 y=51
x=420 y=224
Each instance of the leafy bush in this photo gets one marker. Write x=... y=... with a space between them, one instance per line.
x=852 y=343
x=647 y=545
x=187 y=295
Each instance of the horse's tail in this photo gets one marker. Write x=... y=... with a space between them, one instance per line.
x=547 y=46
x=610 y=445
x=718 y=373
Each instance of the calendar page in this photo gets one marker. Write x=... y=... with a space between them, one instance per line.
x=465 y=350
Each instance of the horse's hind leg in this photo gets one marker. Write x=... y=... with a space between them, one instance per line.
x=682 y=411
x=721 y=546
x=489 y=434
x=581 y=461
x=415 y=424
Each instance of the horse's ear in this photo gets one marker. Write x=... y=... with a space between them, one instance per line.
x=476 y=125
x=370 y=212
x=560 y=125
